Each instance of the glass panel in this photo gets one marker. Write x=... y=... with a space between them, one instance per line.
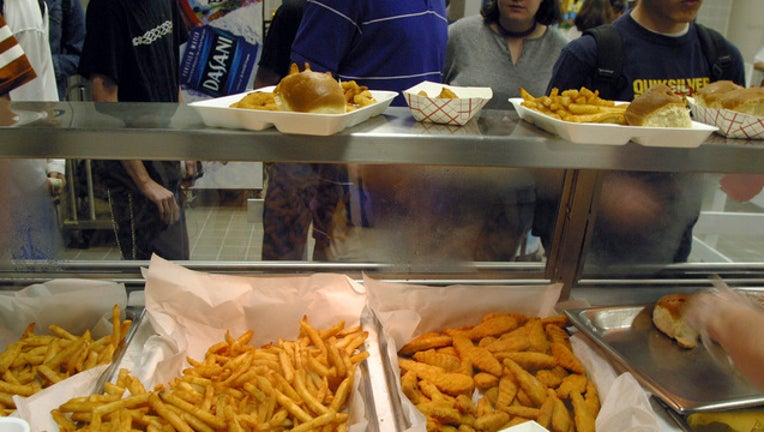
x=648 y=219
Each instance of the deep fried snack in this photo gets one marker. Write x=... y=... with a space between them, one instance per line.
x=481 y=358
x=449 y=383
x=447 y=93
x=566 y=358
x=580 y=106
x=258 y=100
x=535 y=390
x=528 y=383
x=357 y=96
x=582 y=417
x=424 y=342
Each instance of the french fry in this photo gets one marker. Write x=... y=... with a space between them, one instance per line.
x=236 y=387
x=579 y=106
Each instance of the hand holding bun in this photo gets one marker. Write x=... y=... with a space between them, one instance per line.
x=310 y=92
x=658 y=107
x=669 y=318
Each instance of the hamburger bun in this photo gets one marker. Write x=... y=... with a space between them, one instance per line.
x=708 y=96
x=658 y=107
x=310 y=92
x=726 y=94
x=668 y=317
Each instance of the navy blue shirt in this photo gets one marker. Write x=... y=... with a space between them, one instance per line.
x=385 y=45
x=648 y=58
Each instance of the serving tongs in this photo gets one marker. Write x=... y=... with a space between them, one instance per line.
x=108 y=374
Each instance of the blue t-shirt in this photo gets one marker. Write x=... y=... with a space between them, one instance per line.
x=385 y=45
x=648 y=58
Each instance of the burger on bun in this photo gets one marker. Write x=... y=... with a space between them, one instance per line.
x=659 y=107
x=310 y=92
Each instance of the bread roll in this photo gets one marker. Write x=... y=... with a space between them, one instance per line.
x=310 y=92
x=728 y=95
x=668 y=317
x=658 y=107
x=708 y=96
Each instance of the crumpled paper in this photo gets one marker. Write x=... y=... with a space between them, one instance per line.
x=76 y=305
x=406 y=311
x=190 y=310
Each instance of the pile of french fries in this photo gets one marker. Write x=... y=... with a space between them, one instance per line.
x=522 y=368
x=301 y=385
x=38 y=361
x=580 y=106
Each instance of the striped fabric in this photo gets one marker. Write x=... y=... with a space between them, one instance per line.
x=15 y=69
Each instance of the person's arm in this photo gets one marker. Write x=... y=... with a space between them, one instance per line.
x=104 y=89
x=736 y=326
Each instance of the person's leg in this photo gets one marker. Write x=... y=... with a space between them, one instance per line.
x=286 y=212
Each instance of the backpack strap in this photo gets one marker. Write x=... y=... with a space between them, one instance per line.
x=715 y=50
x=607 y=76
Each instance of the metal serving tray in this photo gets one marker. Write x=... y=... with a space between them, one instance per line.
x=686 y=380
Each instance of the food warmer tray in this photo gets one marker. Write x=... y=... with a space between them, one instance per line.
x=686 y=380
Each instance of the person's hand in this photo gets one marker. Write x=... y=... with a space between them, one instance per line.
x=56 y=183
x=164 y=199
x=707 y=307
x=192 y=173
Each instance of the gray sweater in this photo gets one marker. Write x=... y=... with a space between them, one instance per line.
x=477 y=56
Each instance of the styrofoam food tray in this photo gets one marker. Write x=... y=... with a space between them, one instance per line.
x=431 y=109
x=731 y=124
x=613 y=134
x=218 y=113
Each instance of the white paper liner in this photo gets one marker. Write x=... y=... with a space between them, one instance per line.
x=76 y=305
x=407 y=311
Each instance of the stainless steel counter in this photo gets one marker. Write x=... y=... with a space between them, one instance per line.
x=497 y=138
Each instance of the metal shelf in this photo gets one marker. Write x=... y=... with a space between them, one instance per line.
x=87 y=130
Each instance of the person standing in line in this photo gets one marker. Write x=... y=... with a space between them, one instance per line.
x=390 y=45
x=35 y=182
x=597 y=12
x=131 y=54
x=15 y=71
x=510 y=45
x=292 y=187
x=642 y=218
x=66 y=35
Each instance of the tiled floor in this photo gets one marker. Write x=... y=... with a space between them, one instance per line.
x=215 y=234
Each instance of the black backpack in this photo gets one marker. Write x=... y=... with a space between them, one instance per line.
x=608 y=79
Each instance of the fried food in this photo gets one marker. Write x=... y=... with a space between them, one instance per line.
x=527 y=382
x=447 y=93
x=38 y=361
x=580 y=106
x=258 y=100
x=356 y=96
x=236 y=387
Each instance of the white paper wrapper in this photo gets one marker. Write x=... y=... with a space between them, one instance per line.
x=406 y=311
x=73 y=304
x=76 y=305
x=189 y=311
